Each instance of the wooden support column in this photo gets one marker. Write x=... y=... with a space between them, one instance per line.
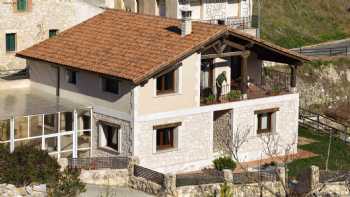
x=293 y=78
x=244 y=74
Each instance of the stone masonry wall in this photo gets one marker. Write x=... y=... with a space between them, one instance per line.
x=126 y=136
x=222 y=131
x=119 y=178
x=33 y=26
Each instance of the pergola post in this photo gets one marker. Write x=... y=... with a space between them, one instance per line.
x=244 y=74
x=12 y=134
x=293 y=78
x=75 y=134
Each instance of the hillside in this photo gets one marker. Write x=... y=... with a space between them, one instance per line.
x=295 y=23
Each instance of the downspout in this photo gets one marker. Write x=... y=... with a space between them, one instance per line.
x=58 y=81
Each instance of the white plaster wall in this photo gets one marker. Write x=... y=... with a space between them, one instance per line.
x=194 y=148
x=88 y=89
x=187 y=96
x=285 y=128
x=33 y=26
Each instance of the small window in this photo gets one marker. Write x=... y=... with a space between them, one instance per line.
x=110 y=85
x=53 y=32
x=264 y=122
x=71 y=76
x=166 y=83
x=165 y=138
x=10 y=42
x=22 y=5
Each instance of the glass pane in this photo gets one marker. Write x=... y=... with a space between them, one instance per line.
x=21 y=127
x=84 y=140
x=67 y=142
x=264 y=121
x=84 y=119
x=83 y=153
x=33 y=142
x=4 y=130
x=51 y=125
x=51 y=144
x=169 y=81
x=66 y=120
x=36 y=124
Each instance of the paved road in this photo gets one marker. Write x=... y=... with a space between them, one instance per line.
x=105 y=191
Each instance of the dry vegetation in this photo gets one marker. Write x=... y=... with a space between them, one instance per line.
x=295 y=23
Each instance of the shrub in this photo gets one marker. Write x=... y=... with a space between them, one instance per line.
x=234 y=94
x=27 y=165
x=68 y=185
x=210 y=98
x=224 y=163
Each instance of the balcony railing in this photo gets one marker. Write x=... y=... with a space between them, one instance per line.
x=237 y=23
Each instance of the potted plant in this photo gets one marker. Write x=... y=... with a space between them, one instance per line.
x=210 y=99
x=234 y=95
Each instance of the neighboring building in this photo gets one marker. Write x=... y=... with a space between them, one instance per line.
x=235 y=13
x=24 y=23
x=132 y=84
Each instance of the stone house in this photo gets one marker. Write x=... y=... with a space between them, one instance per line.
x=140 y=85
x=235 y=13
x=24 y=23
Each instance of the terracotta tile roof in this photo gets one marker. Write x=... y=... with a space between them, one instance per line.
x=126 y=45
x=121 y=44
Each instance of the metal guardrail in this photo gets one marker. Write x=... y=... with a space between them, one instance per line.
x=149 y=174
x=95 y=163
x=199 y=178
x=334 y=176
x=331 y=51
x=241 y=23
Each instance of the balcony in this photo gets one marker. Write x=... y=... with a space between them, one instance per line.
x=242 y=23
x=273 y=83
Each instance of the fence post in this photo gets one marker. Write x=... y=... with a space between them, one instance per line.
x=131 y=165
x=281 y=175
x=314 y=178
x=228 y=175
x=170 y=184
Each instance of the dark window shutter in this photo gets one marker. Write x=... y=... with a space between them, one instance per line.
x=10 y=42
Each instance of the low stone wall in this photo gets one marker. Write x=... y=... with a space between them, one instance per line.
x=141 y=184
x=338 y=188
x=119 y=177
x=13 y=191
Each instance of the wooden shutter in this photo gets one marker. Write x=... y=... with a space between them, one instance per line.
x=10 y=42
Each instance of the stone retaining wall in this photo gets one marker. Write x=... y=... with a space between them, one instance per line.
x=141 y=184
x=119 y=177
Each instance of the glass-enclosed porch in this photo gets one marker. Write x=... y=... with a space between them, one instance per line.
x=59 y=126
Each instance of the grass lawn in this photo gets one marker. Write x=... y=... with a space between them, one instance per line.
x=339 y=155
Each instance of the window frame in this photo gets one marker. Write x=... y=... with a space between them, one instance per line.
x=26 y=6
x=270 y=113
x=54 y=31
x=173 y=129
x=104 y=87
x=68 y=76
x=15 y=42
x=163 y=79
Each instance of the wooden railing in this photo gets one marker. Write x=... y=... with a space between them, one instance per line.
x=149 y=174
x=324 y=124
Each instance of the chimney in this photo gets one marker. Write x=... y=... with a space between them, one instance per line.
x=186 y=23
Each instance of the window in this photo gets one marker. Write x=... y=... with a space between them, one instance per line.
x=265 y=120
x=110 y=85
x=166 y=83
x=53 y=32
x=10 y=42
x=71 y=76
x=109 y=136
x=22 y=5
x=166 y=136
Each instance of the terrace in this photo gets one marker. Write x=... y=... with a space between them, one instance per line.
x=31 y=116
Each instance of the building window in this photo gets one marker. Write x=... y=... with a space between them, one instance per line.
x=266 y=118
x=71 y=76
x=10 y=42
x=166 y=136
x=166 y=83
x=109 y=136
x=22 y=5
x=53 y=32
x=110 y=85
